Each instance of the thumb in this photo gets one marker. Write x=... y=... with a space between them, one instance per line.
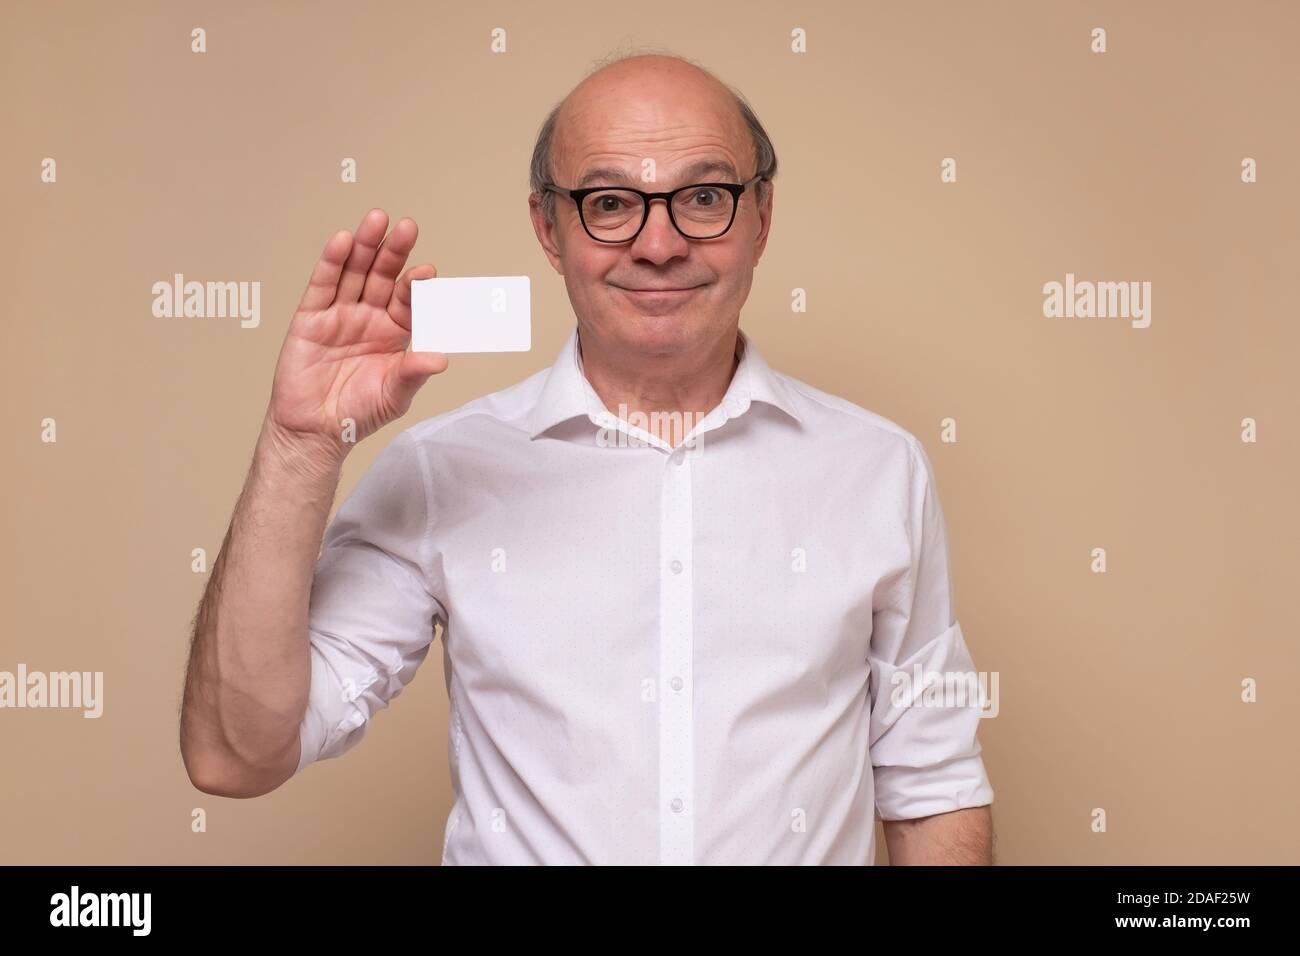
x=412 y=371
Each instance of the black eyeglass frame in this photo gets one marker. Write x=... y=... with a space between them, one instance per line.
x=578 y=195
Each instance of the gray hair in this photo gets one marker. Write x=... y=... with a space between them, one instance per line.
x=540 y=170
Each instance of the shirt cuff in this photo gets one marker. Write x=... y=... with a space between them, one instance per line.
x=905 y=793
x=333 y=723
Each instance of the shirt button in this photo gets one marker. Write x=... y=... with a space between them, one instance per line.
x=676 y=566
x=679 y=457
x=677 y=805
x=676 y=683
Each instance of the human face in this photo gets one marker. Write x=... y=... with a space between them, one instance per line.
x=661 y=293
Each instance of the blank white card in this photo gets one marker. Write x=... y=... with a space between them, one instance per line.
x=471 y=314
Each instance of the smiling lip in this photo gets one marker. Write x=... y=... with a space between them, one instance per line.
x=664 y=289
x=660 y=291
x=658 y=301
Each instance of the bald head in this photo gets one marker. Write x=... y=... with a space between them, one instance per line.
x=647 y=105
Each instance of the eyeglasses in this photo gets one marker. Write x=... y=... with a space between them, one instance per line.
x=618 y=214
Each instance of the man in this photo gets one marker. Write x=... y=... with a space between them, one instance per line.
x=678 y=643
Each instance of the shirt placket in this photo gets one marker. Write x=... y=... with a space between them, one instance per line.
x=676 y=678
x=676 y=627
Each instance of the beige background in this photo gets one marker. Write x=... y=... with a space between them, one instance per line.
x=1119 y=691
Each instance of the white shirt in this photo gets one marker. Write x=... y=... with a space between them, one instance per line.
x=654 y=656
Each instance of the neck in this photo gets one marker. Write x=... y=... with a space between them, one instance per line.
x=672 y=391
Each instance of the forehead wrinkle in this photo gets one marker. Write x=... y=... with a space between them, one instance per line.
x=637 y=138
x=622 y=161
x=689 y=174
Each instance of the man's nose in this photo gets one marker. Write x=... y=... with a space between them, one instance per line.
x=659 y=239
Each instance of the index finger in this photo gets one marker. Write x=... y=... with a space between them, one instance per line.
x=399 y=306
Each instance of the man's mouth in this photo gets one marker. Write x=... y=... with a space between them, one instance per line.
x=675 y=288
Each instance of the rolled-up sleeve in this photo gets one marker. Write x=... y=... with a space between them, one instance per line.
x=373 y=610
x=924 y=750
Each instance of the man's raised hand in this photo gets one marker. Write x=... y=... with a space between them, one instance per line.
x=345 y=354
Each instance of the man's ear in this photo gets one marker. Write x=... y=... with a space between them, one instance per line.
x=546 y=232
x=765 y=222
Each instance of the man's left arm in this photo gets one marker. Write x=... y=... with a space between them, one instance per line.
x=931 y=788
x=957 y=838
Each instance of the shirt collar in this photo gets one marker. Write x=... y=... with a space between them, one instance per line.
x=567 y=393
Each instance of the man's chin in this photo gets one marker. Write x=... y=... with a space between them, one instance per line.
x=658 y=333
